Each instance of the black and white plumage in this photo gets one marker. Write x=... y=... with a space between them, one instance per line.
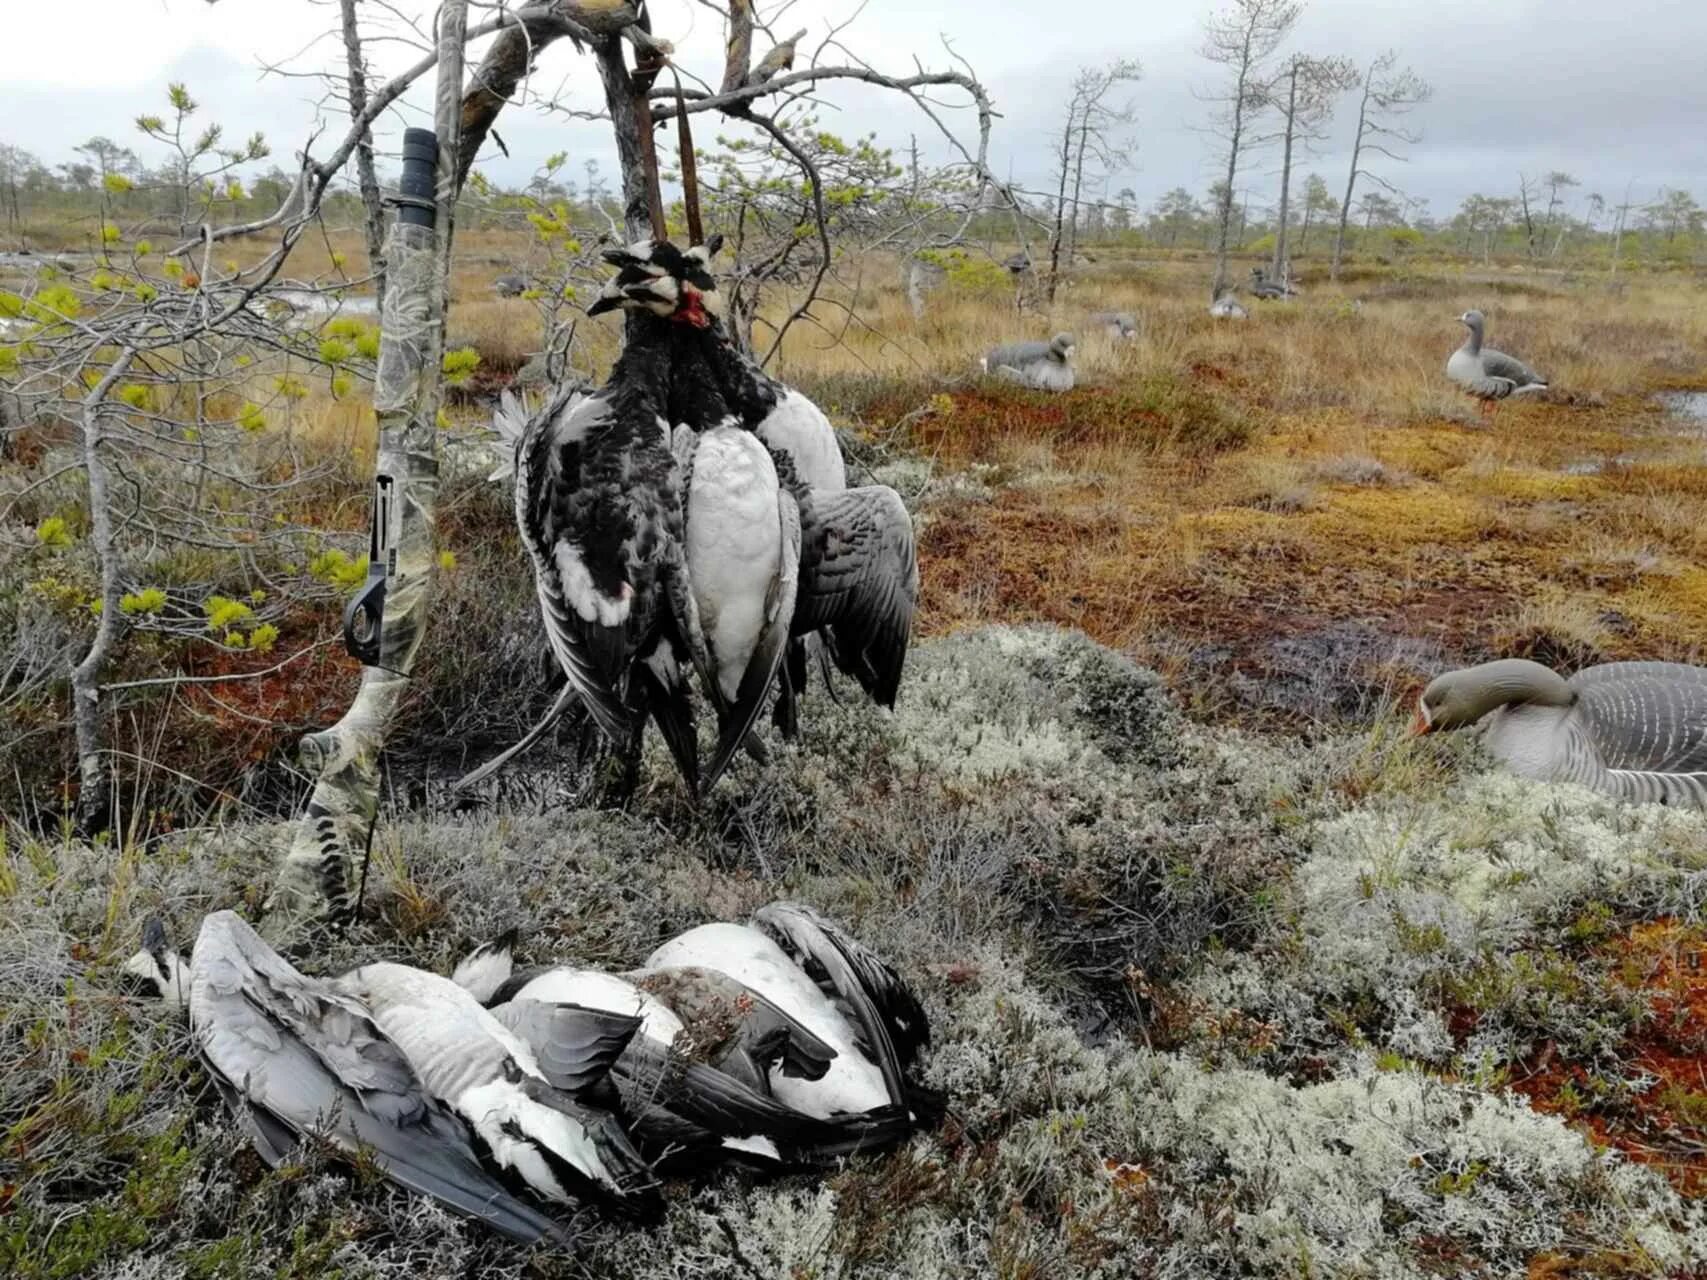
x=294 y=1058
x=1268 y=290
x=695 y=1079
x=1634 y=730
x=1227 y=306
x=833 y=986
x=548 y=1120
x=857 y=575
x=1045 y=366
x=1487 y=374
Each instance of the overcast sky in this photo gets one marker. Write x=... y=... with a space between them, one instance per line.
x=1613 y=93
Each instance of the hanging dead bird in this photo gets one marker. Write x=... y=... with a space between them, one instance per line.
x=779 y=59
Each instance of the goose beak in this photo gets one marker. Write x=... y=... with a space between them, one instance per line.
x=1420 y=723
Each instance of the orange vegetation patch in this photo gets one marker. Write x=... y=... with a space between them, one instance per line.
x=1662 y=1120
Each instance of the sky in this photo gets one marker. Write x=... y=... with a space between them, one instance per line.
x=1612 y=93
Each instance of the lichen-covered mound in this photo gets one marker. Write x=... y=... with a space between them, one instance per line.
x=1204 y=1005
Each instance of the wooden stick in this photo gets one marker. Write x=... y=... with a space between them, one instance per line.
x=690 y=167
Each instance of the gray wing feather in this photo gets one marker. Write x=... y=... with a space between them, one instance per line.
x=246 y=1005
x=576 y=1047
x=1649 y=716
x=859 y=583
x=1497 y=364
x=1016 y=354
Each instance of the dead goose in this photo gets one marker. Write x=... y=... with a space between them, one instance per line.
x=812 y=970
x=295 y=1060
x=546 y=1119
x=1044 y=366
x=1635 y=730
x=1487 y=374
x=742 y=533
x=696 y=1077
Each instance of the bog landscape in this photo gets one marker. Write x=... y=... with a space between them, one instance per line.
x=1228 y=971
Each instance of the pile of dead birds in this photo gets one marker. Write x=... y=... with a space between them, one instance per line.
x=694 y=515
x=783 y=1043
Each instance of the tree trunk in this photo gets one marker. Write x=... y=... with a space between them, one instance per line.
x=93 y=791
x=366 y=179
x=1279 y=267
x=1304 y=232
x=1060 y=207
x=318 y=872
x=1351 y=178
x=1078 y=186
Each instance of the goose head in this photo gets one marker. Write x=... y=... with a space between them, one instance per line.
x=1459 y=699
x=1061 y=347
x=158 y=970
x=657 y=277
x=1472 y=320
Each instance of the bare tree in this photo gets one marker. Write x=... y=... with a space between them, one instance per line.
x=1557 y=224
x=366 y=179
x=1242 y=38
x=1317 y=200
x=1389 y=94
x=1526 y=193
x=1622 y=221
x=1304 y=94
x=1091 y=130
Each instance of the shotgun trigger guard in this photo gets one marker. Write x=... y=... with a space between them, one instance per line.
x=364 y=616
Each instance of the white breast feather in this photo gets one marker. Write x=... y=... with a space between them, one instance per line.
x=584 y=598
x=800 y=428
x=594 y=990
x=734 y=546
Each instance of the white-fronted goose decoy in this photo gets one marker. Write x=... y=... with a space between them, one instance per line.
x=1120 y=325
x=1635 y=730
x=546 y=1118
x=1044 y=366
x=1227 y=306
x=836 y=988
x=696 y=1079
x=296 y=1060
x=1487 y=374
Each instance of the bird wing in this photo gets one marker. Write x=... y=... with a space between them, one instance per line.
x=743 y=1031
x=859 y=582
x=1646 y=716
x=767 y=656
x=556 y=506
x=291 y=1058
x=1016 y=354
x=885 y=1012
x=576 y=1047
x=1497 y=364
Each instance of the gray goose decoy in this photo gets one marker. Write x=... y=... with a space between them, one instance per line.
x=295 y=1059
x=1046 y=366
x=548 y=1119
x=696 y=1079
x=1635 y=730
x=1227 y=306
x=1487 y=374
x=1122 y=325
x=1266 y=289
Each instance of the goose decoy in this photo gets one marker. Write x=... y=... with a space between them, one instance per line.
x=298 y=1061
x=1635 y=730
x=1122 y=325
x=1227 y=306
x=1266 y=289
x=696 y=1077
x=510 y=286
x=812 y=971
x=547 y=1118
x=1046 y=366
x=1487 y=374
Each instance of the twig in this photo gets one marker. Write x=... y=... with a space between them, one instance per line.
x=173 y=680
x=533 y=735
